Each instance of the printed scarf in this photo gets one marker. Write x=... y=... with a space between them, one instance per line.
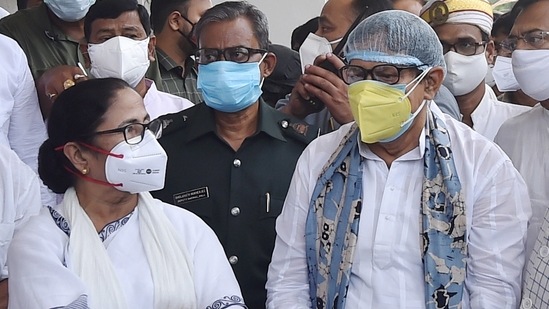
x=334 y=214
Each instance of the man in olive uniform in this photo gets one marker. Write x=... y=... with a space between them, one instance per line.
x=231 y=159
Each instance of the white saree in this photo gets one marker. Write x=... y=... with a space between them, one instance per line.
x=40 y=262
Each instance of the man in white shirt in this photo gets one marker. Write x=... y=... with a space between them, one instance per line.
x=463 y=27
x=21 y=126
x=406 y=207
x=525 y=139
x=120 y=44
x=20 y=199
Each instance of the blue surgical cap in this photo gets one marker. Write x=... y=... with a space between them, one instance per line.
x=395 y=37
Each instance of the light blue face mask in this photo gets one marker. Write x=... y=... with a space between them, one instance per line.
x=69 y=10
x=228 y=86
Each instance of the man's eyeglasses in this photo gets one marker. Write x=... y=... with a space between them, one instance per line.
x=503 y=49
x=534 y=38
x=237 y=54
x=386 y=73
x=464 y=48
x=134 y=132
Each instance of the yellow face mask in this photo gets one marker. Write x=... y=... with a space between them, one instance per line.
x=382 y=112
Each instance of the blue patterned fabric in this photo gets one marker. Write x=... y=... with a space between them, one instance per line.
x=334 y=214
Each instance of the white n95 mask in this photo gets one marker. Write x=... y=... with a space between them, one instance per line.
x=137 y=168
x=120 y=57
x=503 y=74
x=464 y=73
x=530 y=68
x=312 y=47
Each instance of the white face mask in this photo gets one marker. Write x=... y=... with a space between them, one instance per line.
x=69 y=10
x=312 y=47
x=465 y=73
x=120 y=57
x=530 y=68
x=142 y=167
x=503 y=74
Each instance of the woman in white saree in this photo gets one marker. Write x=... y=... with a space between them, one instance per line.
x=109 y=244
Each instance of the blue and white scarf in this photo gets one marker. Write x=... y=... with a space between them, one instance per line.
x=334 y=214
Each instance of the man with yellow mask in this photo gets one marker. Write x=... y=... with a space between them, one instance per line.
x=405 y=207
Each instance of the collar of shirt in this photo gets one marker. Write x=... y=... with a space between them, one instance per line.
x=51 y=31
x=203 y=121
x=169 y=64
x=483 y=110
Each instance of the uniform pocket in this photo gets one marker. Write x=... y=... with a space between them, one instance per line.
x=270 y=206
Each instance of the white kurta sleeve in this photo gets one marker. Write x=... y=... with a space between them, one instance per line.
x=287 y=279
x=38 y=276
x=497 y=237
x=26 y=127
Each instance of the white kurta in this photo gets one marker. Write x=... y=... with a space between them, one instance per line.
x=491 y=113
x=39 y=253
x=387 y=269
x=525 y=139
x=158 y=103
x=19 y=199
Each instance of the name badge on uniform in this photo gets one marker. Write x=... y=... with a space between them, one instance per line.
x=191 y=195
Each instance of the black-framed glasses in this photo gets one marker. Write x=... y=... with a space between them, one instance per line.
x=134 y=132
x=464 y=47
x=386 y=73
x=534 y=38
x=237 y=54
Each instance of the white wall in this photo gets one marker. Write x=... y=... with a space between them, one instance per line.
x=283 y=15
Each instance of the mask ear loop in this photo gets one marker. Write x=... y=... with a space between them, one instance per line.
x=418 y=80
x=258 y=63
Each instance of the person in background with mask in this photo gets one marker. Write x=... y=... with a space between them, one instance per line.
x=336 y=18
x=121 y=45
x=173 y=22
x=506 y=85
x=49 y=33
x=525 y=139
x=405 y=207
x=463 y=27
x=109 y=244
x=232 y=158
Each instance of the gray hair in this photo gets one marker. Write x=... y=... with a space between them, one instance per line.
x=231 y=10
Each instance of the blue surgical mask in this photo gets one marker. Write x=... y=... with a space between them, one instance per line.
x=228 y=86
x=69 y=10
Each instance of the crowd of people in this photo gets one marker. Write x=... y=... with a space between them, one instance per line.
x=174 y=157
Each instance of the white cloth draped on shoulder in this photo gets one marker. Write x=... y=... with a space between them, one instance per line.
x=173 y=281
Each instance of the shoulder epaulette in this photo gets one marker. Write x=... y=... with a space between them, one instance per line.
x=298 y=130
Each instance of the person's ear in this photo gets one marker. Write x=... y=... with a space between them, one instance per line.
x=491 y=53
x=152 y=50
x=174 y=21
x=268 y=65
x=432 y=82
x=77 y=156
